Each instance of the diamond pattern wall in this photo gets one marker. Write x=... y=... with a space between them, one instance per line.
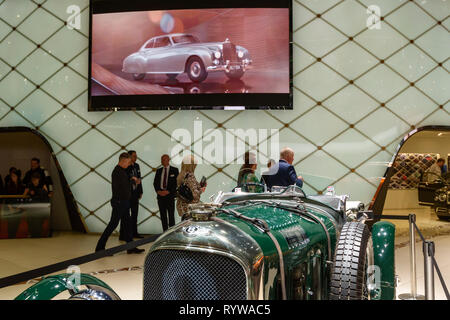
x=358 y=90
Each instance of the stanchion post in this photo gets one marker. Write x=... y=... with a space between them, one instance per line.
x=428 y=253
x=412 y=254
x=412 y=262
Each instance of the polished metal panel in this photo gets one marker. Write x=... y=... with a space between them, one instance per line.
x=95 y=293
x=217 y=237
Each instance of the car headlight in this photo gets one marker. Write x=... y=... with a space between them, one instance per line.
x=442 y=197
x=240 y=54
x=217 y=55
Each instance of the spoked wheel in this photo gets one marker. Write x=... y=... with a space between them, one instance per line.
x=352 y=263
x=196 y=70
x=94 y=292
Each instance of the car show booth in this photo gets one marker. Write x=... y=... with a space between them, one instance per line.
x=359 y=90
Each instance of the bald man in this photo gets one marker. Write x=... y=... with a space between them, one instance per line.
x=283 y=173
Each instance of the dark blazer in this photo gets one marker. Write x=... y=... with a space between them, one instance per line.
x=281 y=174
x=135 y=170
x=120 y=184
x=171 y=182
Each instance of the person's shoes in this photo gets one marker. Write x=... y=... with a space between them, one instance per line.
x=138 y=236
x=135 y=250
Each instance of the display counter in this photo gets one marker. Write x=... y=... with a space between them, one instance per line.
x=24 y=217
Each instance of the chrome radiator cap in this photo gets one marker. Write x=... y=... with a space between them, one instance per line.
x=203 y=211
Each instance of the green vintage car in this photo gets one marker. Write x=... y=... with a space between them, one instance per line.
x=280 y=244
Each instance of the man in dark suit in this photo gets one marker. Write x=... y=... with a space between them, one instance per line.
x=120 y=202
x=134 y=171
x=165 y=184
x=283 y=173
x=44 y=179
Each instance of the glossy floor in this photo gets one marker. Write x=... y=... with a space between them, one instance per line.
x=123 y=272
x=426 y=220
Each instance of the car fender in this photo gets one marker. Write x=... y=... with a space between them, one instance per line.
x=204 y=54
x=245 y=51
x=383 y=239
x=51 y=286
x=134 y=63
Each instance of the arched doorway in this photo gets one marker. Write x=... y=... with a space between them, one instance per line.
x=405 y=188
x=21 y=217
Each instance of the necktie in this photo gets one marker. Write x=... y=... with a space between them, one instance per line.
x=165 y=179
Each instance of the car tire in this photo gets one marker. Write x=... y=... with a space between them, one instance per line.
x=196 y=70
x=235 y=75
x=138 y=76
x=349 y=272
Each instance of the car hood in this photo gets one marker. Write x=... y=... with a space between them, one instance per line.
x=210 y=45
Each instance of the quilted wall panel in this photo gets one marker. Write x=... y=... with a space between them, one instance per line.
x=409 y=168
x=363 y=78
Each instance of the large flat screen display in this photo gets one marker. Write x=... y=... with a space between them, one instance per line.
x=190 y=55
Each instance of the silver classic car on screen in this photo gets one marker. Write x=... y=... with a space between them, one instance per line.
x=174 y=54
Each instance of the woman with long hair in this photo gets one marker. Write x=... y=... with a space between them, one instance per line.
x=13 y=185
x=247 y=174
x=187 y=177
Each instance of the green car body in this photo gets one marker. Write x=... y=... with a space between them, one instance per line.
x=247 y=232
x=51 y=286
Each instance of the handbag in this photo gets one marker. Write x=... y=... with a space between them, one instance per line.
x=184 y=192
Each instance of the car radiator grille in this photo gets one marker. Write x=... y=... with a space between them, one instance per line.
x=191 y=275
x=229 y=52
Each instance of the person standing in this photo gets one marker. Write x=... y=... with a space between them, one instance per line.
x=35 y=190
x=120 y=203
x=283 y=173
x=187 y=177
x=134 y=171
x=13 y=184
x=44 y=179
x=434 y=172
x=165 y=185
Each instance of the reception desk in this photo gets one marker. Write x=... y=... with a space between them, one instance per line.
x=23 y=217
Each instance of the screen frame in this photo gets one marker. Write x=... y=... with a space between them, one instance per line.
x=217 y=101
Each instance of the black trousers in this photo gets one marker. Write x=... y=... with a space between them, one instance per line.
x=134 y=208
x=167 y=209
x=119 y=213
